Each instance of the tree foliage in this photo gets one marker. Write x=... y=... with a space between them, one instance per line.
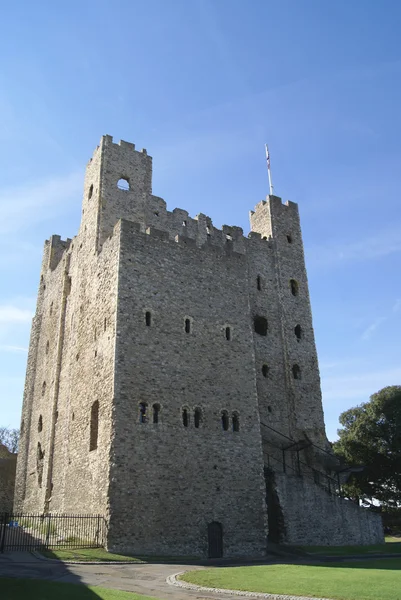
x=371 y=436
x=9 y=438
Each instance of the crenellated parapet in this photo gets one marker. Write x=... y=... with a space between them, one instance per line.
x=56 y=249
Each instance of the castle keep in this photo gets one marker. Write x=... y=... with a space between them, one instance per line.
x=172 y=381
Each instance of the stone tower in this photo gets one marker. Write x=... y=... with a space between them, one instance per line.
x=172 y=381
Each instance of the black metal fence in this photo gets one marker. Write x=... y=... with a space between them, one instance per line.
x=34 y=531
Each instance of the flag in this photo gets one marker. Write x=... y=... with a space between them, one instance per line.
x=267 y=157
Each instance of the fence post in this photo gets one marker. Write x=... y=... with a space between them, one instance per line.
x=48 y=532
x=3 y=533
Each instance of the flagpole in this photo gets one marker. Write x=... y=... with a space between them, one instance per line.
x=268 y=171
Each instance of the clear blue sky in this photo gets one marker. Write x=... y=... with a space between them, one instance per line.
x=202 y=84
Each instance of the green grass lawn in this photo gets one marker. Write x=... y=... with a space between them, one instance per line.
x=100 y=554
x=367 y=580
x=392 y=546
x=21 y=589
x=88 y=555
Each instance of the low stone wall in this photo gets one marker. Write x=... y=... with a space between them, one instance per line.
x=8 y=463
x=314 y=517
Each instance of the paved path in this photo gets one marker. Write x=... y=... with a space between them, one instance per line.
x=148 y=579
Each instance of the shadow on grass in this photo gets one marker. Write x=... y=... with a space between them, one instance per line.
x=390 y=564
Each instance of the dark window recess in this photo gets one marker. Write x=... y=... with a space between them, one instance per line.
x=235 y=422
x=197 y=417
x=224 y=420
x=47 y=347
x=269 y=409
x=90 y=192
x=123 y=184
x=185 y=417
x=265 y=370
x=105 y=324
x=187 y=325
x=298 y=332
x=258 y=283
x=143 y=417
x=228 y=333
x=148 y=318
x=294 y=287
x=289 y=238
x=94 y=426
x=296 y=372
x=40 y=424
x=43 y=388
x=260 y=325
x=156 y=411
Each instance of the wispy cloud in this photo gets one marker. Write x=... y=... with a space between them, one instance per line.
x=367 y=334
x=5 y=348
x=360 y=386
x=376 y=246
x=35 y=202
x=14 y=314
x=397 y=305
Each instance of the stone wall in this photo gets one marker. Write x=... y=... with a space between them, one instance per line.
x=312 y=516
x=169 y=480
x=8 y=462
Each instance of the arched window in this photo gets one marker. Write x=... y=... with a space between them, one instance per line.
x=143 y=417
x=94 y=426
x=298 y=332
x=265 y=370
x=296 y=372
x=43 y=388
x=235 y=421
x=156 y=410
x=224 y=420
x=289 y=238
x=187 y=325
x=294 y=287
x=123 y=184
x=228 y=333
x=185 y=417
x=197 y=417
x=260 y=325
x=40 y=424
x=148 y=318
x=47 y=346
x=258 y=283
x=90 y=192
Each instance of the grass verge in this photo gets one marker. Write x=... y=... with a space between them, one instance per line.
x=392 y=546
x=88 y=555
x=34 y=589
x=367 y=580
x=101 y=555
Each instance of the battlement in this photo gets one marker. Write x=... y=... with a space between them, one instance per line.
x=276 y=203
x=57 y=247
x=198 y=232
x=122 y=144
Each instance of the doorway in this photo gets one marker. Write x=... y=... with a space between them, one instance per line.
x=215 y=539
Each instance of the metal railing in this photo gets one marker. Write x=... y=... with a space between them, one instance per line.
x=21 y=531
x=331 y=482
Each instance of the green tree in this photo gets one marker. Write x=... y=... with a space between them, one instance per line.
x=371 y=436
x=9 y=438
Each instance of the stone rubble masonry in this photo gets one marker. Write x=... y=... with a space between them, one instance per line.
x=8 y=463
x=160 y=484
